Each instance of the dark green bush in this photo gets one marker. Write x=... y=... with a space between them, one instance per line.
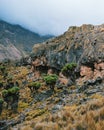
x=1 y=101
x=11 y=97
x=4 y=93
x=9 y=79
x=34 y=86
x=13 y=90
x=68 y=69
x=2 y=68
x=10 y=91
x=51 y=80
x=1 y=105
x=1 y=84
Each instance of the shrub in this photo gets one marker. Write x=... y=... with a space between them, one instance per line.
x=11 y=97
x=34 y=85
x=13 y=90
x=4 y=93
x=51 y=80
x=1 y=101
x=2 y=68
x=1 y=84
x=1 y=105
x=10 y=91
x=5 y=74
x=9 y=79
x=68 y=69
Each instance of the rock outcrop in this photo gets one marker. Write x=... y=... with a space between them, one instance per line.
x=83 y=45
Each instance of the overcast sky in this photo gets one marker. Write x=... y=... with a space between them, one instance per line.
x=52 y=16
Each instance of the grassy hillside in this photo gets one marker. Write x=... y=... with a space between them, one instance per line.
x=41 y=107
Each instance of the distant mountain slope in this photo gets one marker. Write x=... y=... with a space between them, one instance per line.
x=17 y=39
x=10 y=52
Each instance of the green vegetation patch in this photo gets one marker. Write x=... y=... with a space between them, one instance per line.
x=4 y=93
x=69 y=68
x=13 y=90
x=50 y=79
x=1 y=101
x=35 y=85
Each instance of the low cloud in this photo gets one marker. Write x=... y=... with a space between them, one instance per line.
x=51 y=16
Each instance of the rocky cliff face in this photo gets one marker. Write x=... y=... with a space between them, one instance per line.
x=16 y=41
x=83 y=45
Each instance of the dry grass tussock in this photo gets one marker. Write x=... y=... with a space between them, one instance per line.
x=89 y=116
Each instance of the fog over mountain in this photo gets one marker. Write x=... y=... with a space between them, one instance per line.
x=51 y=16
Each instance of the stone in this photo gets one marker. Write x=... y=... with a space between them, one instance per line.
x=78 y=45
x=86 y=71
x=56 y=108
x=92 y=91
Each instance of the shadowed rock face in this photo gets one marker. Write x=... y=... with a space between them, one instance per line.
x=83 y=45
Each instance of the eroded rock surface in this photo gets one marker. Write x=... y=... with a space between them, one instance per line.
x=83 y=45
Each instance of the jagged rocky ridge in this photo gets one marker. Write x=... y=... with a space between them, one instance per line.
x=83 y=45
x=16 y=42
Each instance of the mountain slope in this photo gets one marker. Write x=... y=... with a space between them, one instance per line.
x=10 y=52
x=83 y=45
x=48 y=98
x=19 y=38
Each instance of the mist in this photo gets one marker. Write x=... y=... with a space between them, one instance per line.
x=52 y=16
